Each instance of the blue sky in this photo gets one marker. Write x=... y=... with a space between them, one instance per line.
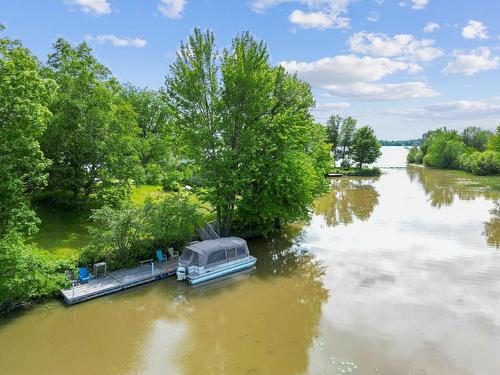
x=401 y=66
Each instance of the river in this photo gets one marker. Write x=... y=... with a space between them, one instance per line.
x=392 y=275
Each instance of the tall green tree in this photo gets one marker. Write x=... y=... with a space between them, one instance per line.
x=333 y=131
x=443 y=149
x=346 y=135
x=475 y=137
x=494 y=142
x=365 y=146
x=92 y=138
x=24 y=98
x=246 y=125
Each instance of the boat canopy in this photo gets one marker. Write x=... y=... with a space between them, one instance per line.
x=210 y=253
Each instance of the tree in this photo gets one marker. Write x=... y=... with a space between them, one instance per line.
x=332 y=131
x=116 y=235
x=476 y=137
x=25 y=274
x=244 y=123
x=24 y=98
x=92 y=138
x=346 y=135
x=171 y=221
x=444 y=148
x=158 y=148
x=365 y=146
x=494 y=143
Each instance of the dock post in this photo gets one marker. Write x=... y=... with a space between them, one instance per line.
x=153 y=268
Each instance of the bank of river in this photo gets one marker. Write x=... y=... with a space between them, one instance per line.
x=393 y=275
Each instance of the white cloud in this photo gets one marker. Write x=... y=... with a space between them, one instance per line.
x=354 y=77
x=430 y=27
x=474 y=62
x=97 y=7
x=405 y=46
x=308 y=20
x=373 y=17
x=172 y=8
x=384 y=91
x=116 y=41
x=453 y=110
x=331 y=106
x=319 y=14
x=419 y=4
x=475 y=30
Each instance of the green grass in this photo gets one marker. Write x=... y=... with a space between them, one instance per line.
x=140 y=193
x=63 y=233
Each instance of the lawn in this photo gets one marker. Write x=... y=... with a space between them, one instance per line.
x=63 y=233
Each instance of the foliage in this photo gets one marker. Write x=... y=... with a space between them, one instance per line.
x=115 y=236
x=476 y=151
x=92 y=138
x=25 y=275
x=171 y=221
x=243 y=122
x=157 y=151
x=346 y=136
x=411 y=157
x=365 y=146
x=333 y=131
x=359 y=172
x=444 y=148
x=122 y=236
x=494 y=142
x=481 y=163
x=24 y=98
x=476 y=137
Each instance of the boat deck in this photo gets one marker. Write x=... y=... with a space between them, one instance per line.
x=115 y=281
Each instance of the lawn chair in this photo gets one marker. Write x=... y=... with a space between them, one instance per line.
x=160 y=256
x=84 y=275
x=173 y=254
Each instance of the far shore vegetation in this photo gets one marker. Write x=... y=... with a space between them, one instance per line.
x=474 y=150
x=97 y=170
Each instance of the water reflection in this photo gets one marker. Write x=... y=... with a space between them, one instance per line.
x=349 y=198
x=264 y=324
x=442 y=187
x=492 y=227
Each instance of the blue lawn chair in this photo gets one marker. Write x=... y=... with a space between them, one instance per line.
x=160 y=256
x=84 y=275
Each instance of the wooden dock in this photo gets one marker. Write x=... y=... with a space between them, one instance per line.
x=118 y=280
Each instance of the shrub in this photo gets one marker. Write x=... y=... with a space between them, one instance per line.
x=25 y=275
x=444 y=149
x=123 y=236
x=410 y=158
x=419 y=157
x=481 y=163
x=115 y=236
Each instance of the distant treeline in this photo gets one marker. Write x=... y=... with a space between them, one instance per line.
x=474 y=150
x=409 y=142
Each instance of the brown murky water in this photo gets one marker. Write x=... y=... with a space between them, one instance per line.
x=393 y=275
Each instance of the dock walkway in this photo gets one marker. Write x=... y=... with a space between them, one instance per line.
x=115 y=281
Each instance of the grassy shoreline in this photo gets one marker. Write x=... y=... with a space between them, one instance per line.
x=358 y=172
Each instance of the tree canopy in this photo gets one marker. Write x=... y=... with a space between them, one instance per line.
x=92 y=139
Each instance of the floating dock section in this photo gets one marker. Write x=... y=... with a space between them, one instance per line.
x=118 y=280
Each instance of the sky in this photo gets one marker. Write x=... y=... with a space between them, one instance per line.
x=400 y=66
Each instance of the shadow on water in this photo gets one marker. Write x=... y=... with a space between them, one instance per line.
x=349 y=198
